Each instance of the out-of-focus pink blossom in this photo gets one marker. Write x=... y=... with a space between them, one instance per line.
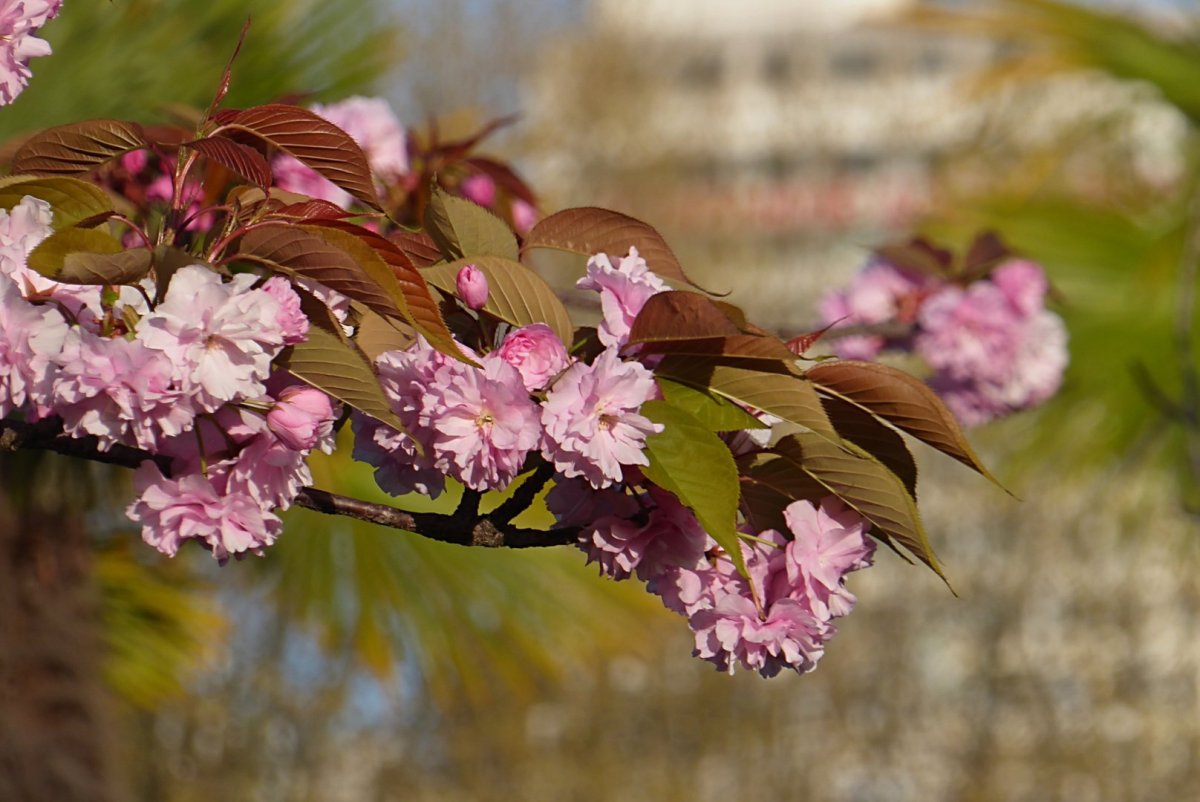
x=301 y=417
x=472 y=286
x=624 y=288
x=879 y=293
x=524 y=216
x=19 y=21
x=993 y=347
x=480 y=189
x=537 y=354
x=592 y=421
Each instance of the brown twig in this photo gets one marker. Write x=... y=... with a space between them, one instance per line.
x=465 y=527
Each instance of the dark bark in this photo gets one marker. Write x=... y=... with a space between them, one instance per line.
x=55 y=733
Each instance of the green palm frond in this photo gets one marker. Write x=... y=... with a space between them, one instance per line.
x=128 y=58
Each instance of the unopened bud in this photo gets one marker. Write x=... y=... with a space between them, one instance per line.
x=472 y=287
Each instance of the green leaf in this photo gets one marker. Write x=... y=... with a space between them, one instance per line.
x=330 y=363
x=780 y=393
x=88 y=256
x=71 y=199
x=715 y=412
x=77 y=147
x=516 y=294
x=590 y=230
x=375 y=335
x=902 y=400
x=865 y=484
x=695 y=465
x=311 y=139
x=462 y=228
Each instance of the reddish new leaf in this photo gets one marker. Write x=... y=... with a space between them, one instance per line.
x=421 y=306
x=504 y=177
x=902 y=400
x=680 y=316
x=918 y=255
x=591 y=230
x=312 y=210
x=241 y=159
x=800 y=344
x=77 y=148
x=313 y=140
x=420 y=248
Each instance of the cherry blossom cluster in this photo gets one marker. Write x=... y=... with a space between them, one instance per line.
x=186 y=376
x=779 y=616
x=19 y=21
x=478 y=425
x=991 y=345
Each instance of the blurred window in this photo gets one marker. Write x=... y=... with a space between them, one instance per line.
x=855 y=64
x=777 y=68
x=702 y=72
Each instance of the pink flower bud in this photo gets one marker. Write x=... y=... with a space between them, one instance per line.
x=480 y=189
x=537 y=354
x=301 y=416
x=524 y=216
x=472 y=287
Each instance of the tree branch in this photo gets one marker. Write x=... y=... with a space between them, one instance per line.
x=465 y=527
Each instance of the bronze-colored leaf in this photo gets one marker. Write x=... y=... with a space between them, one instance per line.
x=590 y=230
x=311 y=139
x=865 y=484
x=375 y=335
x=241 y=159
x=71 y=199
x=419 y=247
x=918 y=255
x=900 y=399
x=878 y=439
x=77 y=148
x=516 y=294
x=421 y=306
x=680 y=316
x=88 y=256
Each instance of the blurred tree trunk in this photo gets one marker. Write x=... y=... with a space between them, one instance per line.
x=55 y=736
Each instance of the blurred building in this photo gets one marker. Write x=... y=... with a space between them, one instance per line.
x=786 y=136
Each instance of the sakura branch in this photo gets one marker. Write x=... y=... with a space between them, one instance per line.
x=674 y=442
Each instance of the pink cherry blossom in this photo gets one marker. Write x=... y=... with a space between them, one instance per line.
x=482 y=422
x=118 y=390
x=221 y=335
x=292 y=323
x=830 y=541
x=592 y=421
x=472 y=286
x=399 y=467
x=301 y=417
x=190 y=507
x=536 y=352
x=624 y=288
x=31 y=338
x=19 y=20
x=574 y=502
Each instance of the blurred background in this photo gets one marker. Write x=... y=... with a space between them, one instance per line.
x=774 y=142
